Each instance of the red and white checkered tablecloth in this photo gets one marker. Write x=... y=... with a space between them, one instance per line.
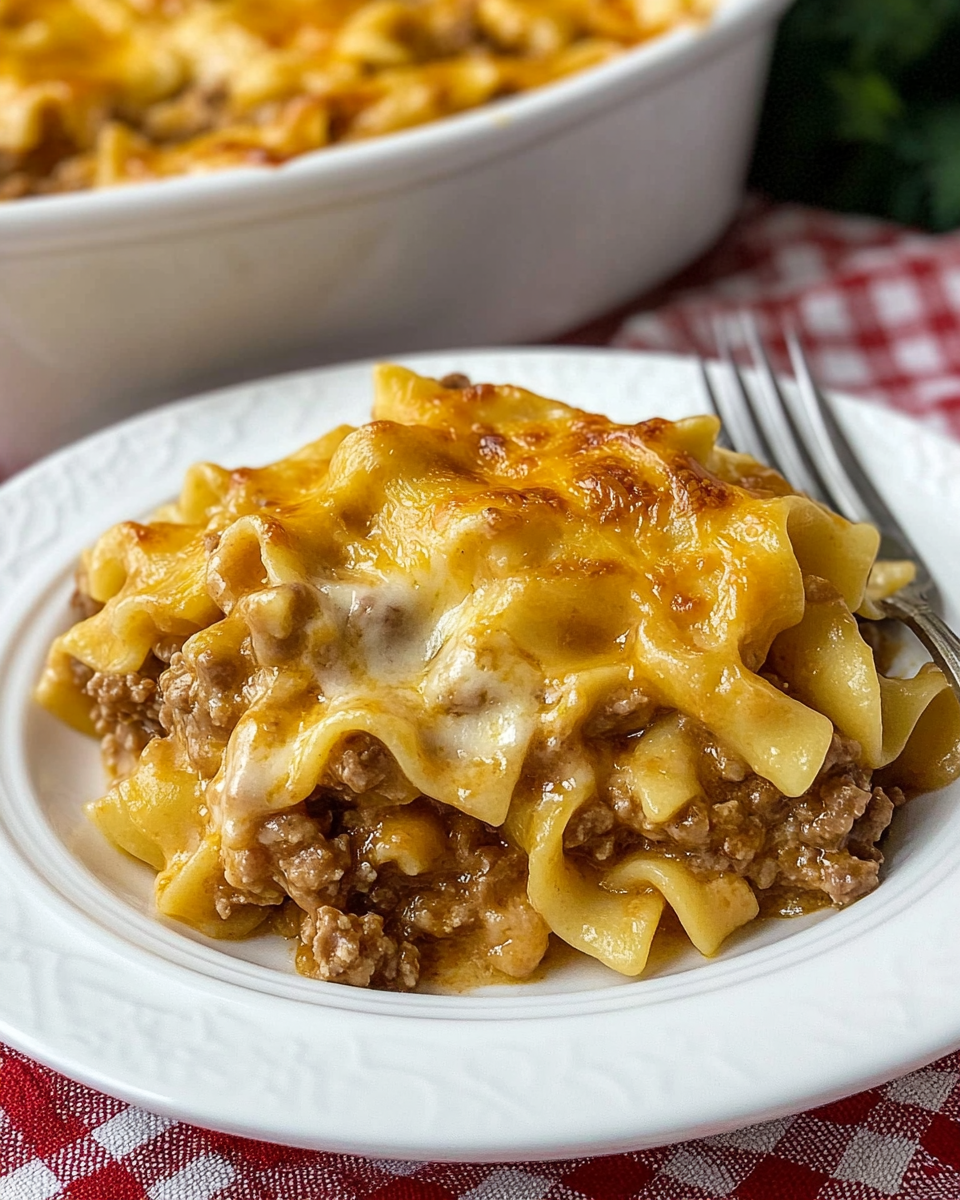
x=59 y=1139
x=879 y=309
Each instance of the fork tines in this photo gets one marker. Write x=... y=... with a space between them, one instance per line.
x=794 y=428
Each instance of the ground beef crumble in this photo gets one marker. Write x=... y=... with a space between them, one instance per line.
x=82 y=604
x=819 y=848
x=202 y=701
x=362 y=921
x=125 y=712
x=362 y=765
x=125 y=709
x=365 y=919
x=355 y=950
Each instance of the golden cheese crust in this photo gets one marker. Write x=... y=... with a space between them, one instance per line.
x=625 y=660
x=102 y=92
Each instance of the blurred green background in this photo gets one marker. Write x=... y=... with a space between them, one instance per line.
x=863 y=110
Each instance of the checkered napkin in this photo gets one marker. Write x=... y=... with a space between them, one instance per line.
x=60 y=1140
x=877 y=307
x=879 y=310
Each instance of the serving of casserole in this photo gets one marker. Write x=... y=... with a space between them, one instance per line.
x=491 y=668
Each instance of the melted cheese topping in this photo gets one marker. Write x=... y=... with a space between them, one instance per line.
x=474 y=581
x=99 y=92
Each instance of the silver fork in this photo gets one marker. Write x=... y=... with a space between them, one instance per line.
x=796 y=432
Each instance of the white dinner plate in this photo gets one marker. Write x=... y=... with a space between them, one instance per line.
x=790 y=1014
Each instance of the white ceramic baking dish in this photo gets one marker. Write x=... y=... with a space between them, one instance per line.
x=508 y=223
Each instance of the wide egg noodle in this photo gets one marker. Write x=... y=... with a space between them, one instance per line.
x=708 y=909
x=613 y=915
x=153 y=577
x=660 y=769
x=905 y=704
x=616 y=927
x=931 y=757
x=159 y=816
x=829 y=667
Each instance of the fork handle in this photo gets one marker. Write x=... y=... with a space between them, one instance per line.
x=937 y=637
